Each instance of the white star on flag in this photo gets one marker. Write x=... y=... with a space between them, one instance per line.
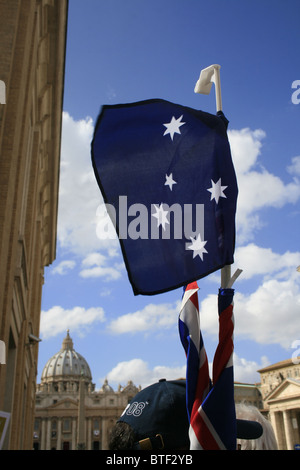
x=217 y=190
x=197 y=246
x=173 y=126
x=169 y=181
x=161 y=216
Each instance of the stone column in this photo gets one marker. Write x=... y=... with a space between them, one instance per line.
x=43 y=434
x=104 y=443
x=90 y=431
x=81 y=438
x=295 y=428
x=275 y=424
x=74 y=436
x=48 y=434
x=58 y=442
x=288 y=430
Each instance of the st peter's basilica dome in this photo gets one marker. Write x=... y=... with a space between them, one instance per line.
x=66 y=364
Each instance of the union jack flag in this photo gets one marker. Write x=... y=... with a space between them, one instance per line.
x=210 y=405
x=197 y=375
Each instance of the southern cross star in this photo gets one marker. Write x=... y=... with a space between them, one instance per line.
x=216 y=190
x=197 y=246
x=169 y=181
x=161 y=216
x=173 y=126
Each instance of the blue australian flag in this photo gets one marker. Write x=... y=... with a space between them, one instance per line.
x=167 y=178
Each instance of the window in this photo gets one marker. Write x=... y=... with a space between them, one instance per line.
x=36 y=425
x=66 y=425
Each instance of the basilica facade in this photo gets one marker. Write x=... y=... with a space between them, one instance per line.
x=70 y=414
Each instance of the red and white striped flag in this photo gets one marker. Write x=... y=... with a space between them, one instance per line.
x=197 y=375
x=211 y=409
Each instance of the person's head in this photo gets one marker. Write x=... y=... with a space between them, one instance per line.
x=267 y=440
x=156 y=418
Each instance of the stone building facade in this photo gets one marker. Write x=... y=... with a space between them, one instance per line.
x=70 y=414
x=280 y=389
x=248 y=394
x=32 y=58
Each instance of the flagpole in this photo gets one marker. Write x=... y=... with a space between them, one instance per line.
x=217 y=82
x=208 y=76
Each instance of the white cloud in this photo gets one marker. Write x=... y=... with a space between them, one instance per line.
x=57 y=320
x=245 y=147
x=294 y=168
x=79 y=195
x=269 y=315
x=111 y=93
x=63 y=267
x=151 y=318
x=245 y=371
x=139 y=372
x=96 y=266
x=105 y=292
x=255 y=260
x=258 y=188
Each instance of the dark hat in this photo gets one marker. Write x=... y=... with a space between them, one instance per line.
x=247 y=429
x=158 y=416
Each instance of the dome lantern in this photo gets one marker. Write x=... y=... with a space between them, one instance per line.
x=67 y=342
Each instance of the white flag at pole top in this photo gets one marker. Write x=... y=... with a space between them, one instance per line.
x=207 y=77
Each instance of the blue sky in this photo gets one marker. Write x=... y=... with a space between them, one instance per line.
x=124 y=51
